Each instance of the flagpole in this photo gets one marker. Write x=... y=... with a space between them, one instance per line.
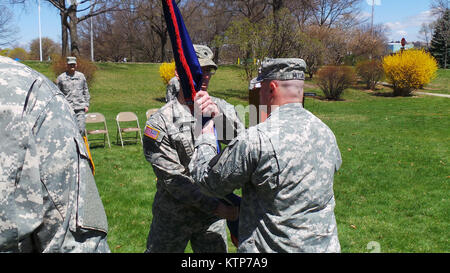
x=40 y=32
x=92 y=39
x=371 y=24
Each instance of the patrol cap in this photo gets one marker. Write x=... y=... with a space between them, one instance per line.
x=71 y=60
x=205 y=56
x=254 y=84
x=283 y=69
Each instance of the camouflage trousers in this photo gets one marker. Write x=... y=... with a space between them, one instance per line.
x=80 y=116
x=171 y=236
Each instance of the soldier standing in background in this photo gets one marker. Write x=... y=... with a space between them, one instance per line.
x=181 y=213
x=74 y=86
x=173 y=87
x=285 y=167
x=48 y=197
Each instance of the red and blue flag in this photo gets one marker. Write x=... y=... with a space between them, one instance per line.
x=186 y=61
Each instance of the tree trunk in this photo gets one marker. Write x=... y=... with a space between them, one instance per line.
x=276 y=7
x=216 y=54
x=64 y=34
x=163 y=37
x=73 y=22
x=64 y=37
x=446 y=51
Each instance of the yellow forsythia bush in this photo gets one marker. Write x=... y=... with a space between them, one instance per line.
x=409 y=70
x=167 y=71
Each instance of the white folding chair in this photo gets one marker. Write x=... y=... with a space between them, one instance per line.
x=127 y=117
x=92 y=118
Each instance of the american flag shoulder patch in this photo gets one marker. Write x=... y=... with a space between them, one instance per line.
x=151 y=132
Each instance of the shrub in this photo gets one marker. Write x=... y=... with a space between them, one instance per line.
x=409 y=70
x=18 y=53
x=59 y=65
x=333 y=80
x=167 y=72
x=371 y=72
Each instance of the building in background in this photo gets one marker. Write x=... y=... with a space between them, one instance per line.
x=393 y=47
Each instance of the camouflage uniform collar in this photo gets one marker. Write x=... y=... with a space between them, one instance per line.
x=288 y=107
x=181 y=113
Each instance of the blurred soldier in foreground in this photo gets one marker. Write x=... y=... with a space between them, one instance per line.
x=285 y=167
x=181 y=213
x=48 y=198
x=73 y=84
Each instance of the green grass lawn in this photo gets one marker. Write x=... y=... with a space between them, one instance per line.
x=392 y=188
x=441 y=84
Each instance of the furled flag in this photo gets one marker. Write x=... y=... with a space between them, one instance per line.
x=374 y=2
x=186 y=61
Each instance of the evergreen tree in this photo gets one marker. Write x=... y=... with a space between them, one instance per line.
x=440 y=42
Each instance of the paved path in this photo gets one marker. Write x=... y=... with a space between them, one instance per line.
x=431 y=94
x=421 y=93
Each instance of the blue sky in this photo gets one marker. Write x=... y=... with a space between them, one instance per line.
x=403 y=17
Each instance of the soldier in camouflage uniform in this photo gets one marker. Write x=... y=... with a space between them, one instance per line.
x=172 y=89
x=48 y=198
x=74 y=86
x=181 y=213
x=285 y=167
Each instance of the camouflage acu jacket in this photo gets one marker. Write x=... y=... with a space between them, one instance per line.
x=75 y=89
x=172 y=89
x=285 y=167
x=169 y=149
x=48 y=198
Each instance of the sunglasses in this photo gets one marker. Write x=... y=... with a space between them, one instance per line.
x=208 y=71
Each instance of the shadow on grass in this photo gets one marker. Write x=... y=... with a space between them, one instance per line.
x=99 y=146
x=321 y=98
x=127 y=143
x=383 y=94
x=231 y=93
x=390 y=94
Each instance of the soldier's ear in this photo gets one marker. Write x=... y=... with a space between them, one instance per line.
x=273 y=87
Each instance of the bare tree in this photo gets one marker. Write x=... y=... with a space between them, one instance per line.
x=312 y=50
x=207 y=21
x=152 y=12
x=329 y=12
x=49 y=47
x=253 y=10
x=438 y=7
x=70 y=18
x=367 y=42
x=7 y=30
x=426 y=32
x=334 y=40
x=64 y=29
x=301 y=11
